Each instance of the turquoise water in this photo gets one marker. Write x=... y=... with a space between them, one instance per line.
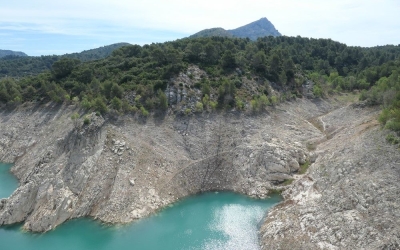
x=8 y=182
x=208 y=221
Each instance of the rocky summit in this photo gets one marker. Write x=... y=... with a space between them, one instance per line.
x=260 y=28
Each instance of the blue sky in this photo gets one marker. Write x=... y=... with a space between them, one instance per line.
x=44 y=27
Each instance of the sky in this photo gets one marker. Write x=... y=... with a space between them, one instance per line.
x=44 y=27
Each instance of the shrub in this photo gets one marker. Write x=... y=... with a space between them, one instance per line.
x=86 y=120
x=138 y=98
x=239 y=103
x=274 y=100
x=30 y=92
x=213 y=105
x=255 y=105
x=392 y=139
x=384 y=116
x=199 y=107
x=85 y=103
x=188 y=111
x=144 y=112
x=116 y=103
x=134 y=109
x=304 y=167
x=393 y=125
x=264 y=101
x=287 y=182
x=205 y=90
x=150 y=103
x=100 y=106
x=317 y=91
x=75 y=99
x=206 y=101
x=126 y=107
x=238 y=83
x=75 y=119
x=162 y=100
x=53 y=96
x=116 y=91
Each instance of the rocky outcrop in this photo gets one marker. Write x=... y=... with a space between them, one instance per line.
x=53 y=171
x=181 y=92
x=349 y=197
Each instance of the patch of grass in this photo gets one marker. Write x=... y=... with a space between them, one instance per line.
x=275 y=191
x=86 y=120
x=304 y=167
x=287 y=182
x=390 y=138
x=351 y=97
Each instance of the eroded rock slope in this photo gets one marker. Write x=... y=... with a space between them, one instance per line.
x=349 y=199
x=119 y=169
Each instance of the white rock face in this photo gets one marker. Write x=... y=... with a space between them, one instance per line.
x=119 y=173
x=348 y=199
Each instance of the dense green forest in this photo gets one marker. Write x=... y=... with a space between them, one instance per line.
x=285 y=63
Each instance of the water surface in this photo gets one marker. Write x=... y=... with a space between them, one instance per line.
x=8 y=182
x=208 y=221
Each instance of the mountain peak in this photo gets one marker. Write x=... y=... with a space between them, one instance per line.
x=260 y=28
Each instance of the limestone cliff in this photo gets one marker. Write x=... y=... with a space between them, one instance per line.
x=350 y=197
x=118 y=169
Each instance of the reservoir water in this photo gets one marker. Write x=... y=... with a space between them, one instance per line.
x=8 y=182
x=208 y=221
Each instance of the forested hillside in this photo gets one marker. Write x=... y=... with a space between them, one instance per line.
x=16 y=65
x=4 y=53
x=212 y=32
x=95 y=54
x=285 y=63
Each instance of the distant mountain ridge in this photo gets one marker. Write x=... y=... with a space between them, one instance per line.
x=4 y=53
x=19 y=66
x=212 y=32
x=254 y=30
x=260 y=28
x=97 y=53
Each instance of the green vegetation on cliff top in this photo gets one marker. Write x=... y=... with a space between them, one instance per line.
x=135 y=78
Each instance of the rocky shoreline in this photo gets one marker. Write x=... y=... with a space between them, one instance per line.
x=349 y=199
x=120 y=169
